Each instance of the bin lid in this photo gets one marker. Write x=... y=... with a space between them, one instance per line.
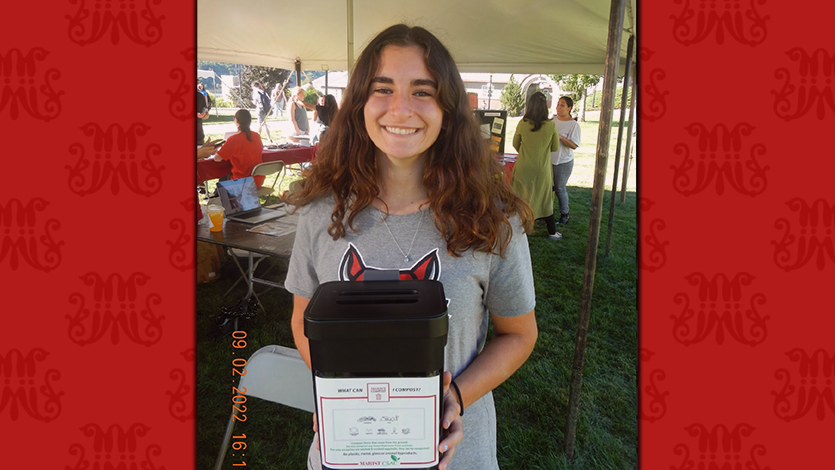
x=416 y=307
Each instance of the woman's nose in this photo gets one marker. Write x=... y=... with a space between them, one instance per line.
x=400 y=104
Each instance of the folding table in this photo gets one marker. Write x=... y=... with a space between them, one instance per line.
x=235 y=235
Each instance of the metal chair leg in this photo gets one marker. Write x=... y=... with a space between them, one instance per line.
x=226 y=438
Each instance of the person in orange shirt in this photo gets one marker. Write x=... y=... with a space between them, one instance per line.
x=243 y=149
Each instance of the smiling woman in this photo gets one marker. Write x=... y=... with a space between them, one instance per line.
x=405 y=147
x=402 y=116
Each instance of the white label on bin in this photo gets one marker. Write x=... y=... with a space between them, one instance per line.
x=379 y=422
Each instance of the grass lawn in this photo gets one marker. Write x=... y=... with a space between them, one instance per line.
x=532 y=405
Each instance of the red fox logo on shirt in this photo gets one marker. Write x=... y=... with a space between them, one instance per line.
x=353 y=268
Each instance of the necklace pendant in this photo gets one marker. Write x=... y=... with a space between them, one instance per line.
x=406 y=259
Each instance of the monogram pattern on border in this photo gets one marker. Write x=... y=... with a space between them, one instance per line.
x=180 y=250
x=699 y=19
x=25 y=390
x=25 y=90
x=115 y=306
x=720 y=448
x=654 y=401
x=180 y=404
x=813 y=240
x=23 y=238
x=115 y=448
x=720 y=308
x=719 y=159
x=654 y=99
x=131 y=19
x=181 y=97
x=813 y=88
x=654 y=254
x=115 y=158
x=814 y=389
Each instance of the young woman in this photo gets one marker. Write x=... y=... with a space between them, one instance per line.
x=298 y=111
x=562 y=161
x=403 y=181
x=243 y=149
x=536 y=137
x=325 y=111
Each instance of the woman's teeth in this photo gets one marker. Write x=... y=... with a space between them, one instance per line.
x=400 y=130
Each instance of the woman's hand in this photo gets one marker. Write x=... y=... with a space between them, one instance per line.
x=568 y=143
x=208 y=149
x=451 y=422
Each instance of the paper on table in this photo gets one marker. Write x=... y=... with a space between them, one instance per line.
x=277 y=227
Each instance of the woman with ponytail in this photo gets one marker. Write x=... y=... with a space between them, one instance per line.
x=243 y=149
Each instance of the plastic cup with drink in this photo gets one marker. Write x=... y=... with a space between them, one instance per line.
x=215 y=217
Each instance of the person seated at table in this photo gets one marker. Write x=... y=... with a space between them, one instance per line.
x=325 y=111
x=243 y=149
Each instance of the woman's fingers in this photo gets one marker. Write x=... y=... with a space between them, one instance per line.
x=451 y=422
x=316 y=429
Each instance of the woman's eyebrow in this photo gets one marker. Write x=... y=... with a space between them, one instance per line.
x=424 y=81
x=382 y=80
x=415 y=82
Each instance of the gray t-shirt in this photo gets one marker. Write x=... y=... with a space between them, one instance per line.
x=474 y=284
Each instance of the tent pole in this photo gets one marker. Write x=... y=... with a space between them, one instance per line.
x=298 y=64
x=214 y=87
x=350 y=55
x=624 y=93
x=627 y=158
x=613 y=42
x=490 y=90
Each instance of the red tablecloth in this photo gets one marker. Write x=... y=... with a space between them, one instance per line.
x=508 y=160
x=210 y=169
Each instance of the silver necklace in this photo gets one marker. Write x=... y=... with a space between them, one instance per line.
x=405 y=255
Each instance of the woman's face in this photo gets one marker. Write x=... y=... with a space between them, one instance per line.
x=562 y=108
x=402 y=114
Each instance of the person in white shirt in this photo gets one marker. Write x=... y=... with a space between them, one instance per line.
x=562 y=161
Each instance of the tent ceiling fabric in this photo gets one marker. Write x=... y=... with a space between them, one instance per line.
x=532 y=36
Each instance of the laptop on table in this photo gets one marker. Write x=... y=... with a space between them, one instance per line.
x=240 y=201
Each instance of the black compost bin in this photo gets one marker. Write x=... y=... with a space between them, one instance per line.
x=377 y=354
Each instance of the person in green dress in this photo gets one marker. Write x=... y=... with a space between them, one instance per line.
x=532 y=179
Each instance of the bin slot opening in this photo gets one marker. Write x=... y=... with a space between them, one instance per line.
x=376 y=300
x=373 y=292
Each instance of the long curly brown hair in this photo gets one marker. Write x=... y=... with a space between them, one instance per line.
x=464 y=182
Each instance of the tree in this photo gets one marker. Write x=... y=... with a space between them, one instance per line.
x=267 y=76
x=577 y=84
x=311 y=96
x=512 y=99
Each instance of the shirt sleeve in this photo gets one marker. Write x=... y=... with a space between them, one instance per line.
x=517 y=138
x=510 y=291
x=574 y=134
x=226 y=150
x=301 y=276
x=555 y=139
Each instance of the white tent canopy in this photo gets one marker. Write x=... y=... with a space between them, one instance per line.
x=531 y=36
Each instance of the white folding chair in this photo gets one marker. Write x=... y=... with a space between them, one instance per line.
x=277 y=374
x=266 y=169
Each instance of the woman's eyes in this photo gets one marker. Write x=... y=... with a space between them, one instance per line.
x=418 y=93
